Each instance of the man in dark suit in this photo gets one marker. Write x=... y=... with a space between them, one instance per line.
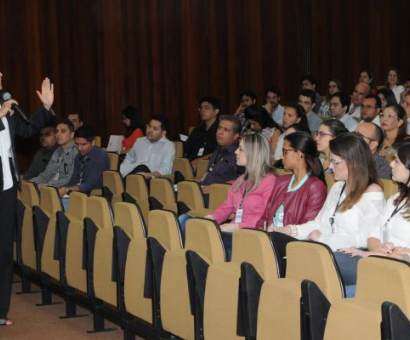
x=12 y=124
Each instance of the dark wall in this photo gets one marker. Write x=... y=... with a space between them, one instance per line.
x=163 y=54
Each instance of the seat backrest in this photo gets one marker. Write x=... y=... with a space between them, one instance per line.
x=129 y=219
x=97 y=141
x=201 y=168
x=330 y=180
x=203 y=237
x=184 y=167
x=189 y=192
x=384 y=279
x=179 y=149
x=114 y=160
x=163 y=190
x=137 y=187
x=218 y=193
x=99 y=211
x=29 y=194
x=314 y=261
x=78 y=206
x=113 y=181
x=50 y=200
x=255 y=247
x=389 y=188
x=163 y=226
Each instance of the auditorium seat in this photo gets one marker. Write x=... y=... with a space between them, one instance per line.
x=162 y=195
x=136 y=191
x=218 y=192
x=189 y=196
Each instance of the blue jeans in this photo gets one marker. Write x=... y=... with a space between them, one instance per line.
x=348 y=270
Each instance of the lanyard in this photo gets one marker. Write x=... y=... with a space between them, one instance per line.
x=332 y=218
x=386 y=233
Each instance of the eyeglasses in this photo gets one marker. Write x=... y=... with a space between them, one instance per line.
x=205 y=107
x=363 y=136
x=322 y=134
x=368 y=107
x=388 y=116
x=285 y=151
x=335 y=162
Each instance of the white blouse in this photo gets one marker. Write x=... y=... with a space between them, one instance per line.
x=351 y=228
x=396 y=230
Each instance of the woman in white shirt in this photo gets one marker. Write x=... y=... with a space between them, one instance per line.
x=393 y=83
x=391 y=236
x=354 y=202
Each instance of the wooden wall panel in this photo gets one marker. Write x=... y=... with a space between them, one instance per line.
x=161 y=55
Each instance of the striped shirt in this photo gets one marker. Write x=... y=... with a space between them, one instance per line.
x=60 y=168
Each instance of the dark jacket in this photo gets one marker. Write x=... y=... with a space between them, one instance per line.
x=18 y=126
x=300 y=206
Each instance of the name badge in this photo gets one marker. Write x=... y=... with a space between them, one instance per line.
x=238 y=216
x=280 y=220
x=201 y=152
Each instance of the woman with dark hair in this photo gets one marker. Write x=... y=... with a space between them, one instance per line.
x=367 y=77
x=328 y=130
x=354 y=202
x=393 y=83
x=294 y=114
x=259 y=120
x=297 y=198
x=335 y=85
x=298 y=127
x=135 y=127
x=387 y=98
x=391 y=235
x=393 y=122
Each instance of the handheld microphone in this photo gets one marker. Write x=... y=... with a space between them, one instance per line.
x=7 y=96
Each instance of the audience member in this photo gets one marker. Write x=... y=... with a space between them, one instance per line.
x=297 y=198
x=361 y=90
x=373 y=136
x=393 y=83
x=152 y=155
x=405 y=103
x=89 y=164
x=328 y=130
x=222 y=165
x=394 y=127
x=335 y=85
x=370 y=109
x=367 y=77
x=307 y=101
x=387 y=97
x=298 y=127
x=61 y=166
x=294 y=113
x=135 y=127
x=249 y=194
x=391 y=233
x=247 y=98
x=272 y=97
x=309 y=83
x=339 y=102
x=76 y=118
x=202 y=141
x=259 y=120
x=42 y=157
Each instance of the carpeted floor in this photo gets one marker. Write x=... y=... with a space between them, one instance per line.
x=39 y=323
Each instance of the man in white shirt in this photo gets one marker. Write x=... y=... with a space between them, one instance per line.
x=11 y=124
x=371 y=109
x=153 y=155
x=360 y=91
x=272 y=97
x=405 y=103
x=339 y=102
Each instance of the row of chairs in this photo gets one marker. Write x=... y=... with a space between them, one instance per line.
x=145 y=279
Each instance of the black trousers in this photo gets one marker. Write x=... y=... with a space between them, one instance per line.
x=8 y=203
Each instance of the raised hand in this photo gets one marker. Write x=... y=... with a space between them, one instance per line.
x=47 y=93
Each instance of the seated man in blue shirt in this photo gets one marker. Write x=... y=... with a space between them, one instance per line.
x=222 y=165
x=89 y=164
